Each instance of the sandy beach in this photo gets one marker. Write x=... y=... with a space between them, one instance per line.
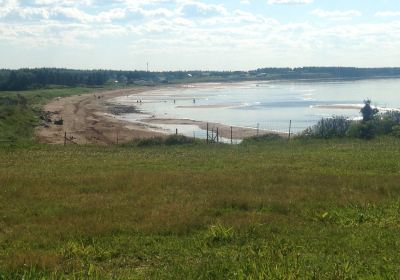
x=87 y=120
x=93 y=119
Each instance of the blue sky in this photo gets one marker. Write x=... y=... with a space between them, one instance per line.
x=198 y=34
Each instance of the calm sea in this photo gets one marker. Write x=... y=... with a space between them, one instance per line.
x=269 y=105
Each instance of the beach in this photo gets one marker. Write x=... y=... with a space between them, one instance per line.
x=87 y=120
x=245 y=108
x=95 y=119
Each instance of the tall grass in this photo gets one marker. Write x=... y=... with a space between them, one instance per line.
x=268 y=210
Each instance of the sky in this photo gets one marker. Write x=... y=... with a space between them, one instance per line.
x=198 y=34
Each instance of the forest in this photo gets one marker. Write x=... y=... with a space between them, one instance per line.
x=23 y=79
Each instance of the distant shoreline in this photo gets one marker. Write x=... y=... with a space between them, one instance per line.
x=294 y=80
x=24 y=79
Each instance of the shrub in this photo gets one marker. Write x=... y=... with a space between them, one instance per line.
x=154 y=141
x=269 y=137
x=336 y=126
x=396 y=130
x=385 y=122
x=169 y=141
x=178 y=140
x=368 y=112
x=363 y=130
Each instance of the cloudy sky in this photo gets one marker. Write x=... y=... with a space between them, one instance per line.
x=198 y=34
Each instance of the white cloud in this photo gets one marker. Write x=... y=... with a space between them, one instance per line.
x=200 y=9
x=171 y=29
x=288 y=2
x=388 y=14
x=336 y=15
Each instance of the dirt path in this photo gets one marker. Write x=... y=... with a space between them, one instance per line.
x=85 y=121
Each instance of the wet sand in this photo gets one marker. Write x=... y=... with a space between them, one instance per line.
x=238 y=133
x=87 y=119
x=339 y=106
x=208 y=106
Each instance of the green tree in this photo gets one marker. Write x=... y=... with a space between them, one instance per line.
x=368 y=112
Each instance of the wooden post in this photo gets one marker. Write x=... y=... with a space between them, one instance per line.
x=65 y=138
x=176 y=132
x=290 y=128
x=212 y=134
x=117 y=138
x=217 y=135
x=207 y=134
x=231 y=135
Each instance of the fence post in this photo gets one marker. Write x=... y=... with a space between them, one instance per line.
x=290 y=128
x=217 y=135
x=231 y=136
x=117 y=138
x=207 y=134
x=65 y=138
x=176 y=132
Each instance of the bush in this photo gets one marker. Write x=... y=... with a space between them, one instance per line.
x=178 y=140
x=396 y=131
x=372 y=124
x=154 y=141
x=385 y=122
x=270 y=137
x=328 y=128
x=363 y=130
x=169 y=141
x=368 y=112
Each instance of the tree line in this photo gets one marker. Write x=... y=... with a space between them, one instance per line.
x=22 y=79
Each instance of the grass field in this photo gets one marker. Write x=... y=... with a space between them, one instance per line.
x=318 y=209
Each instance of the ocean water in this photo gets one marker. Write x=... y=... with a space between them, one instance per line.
x=267 y=105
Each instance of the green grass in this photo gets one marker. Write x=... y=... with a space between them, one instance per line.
x=317 y=209
x=20 y=111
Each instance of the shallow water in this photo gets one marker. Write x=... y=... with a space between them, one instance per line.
x=269 y=105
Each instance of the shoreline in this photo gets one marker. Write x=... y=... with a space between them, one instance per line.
x=224 y=130
x=97 y=118
x=87 y=119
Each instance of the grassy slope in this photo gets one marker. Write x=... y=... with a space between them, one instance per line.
x=318 y=209
x=19 y=111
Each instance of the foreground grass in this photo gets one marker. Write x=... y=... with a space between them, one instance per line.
x=278 y=210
